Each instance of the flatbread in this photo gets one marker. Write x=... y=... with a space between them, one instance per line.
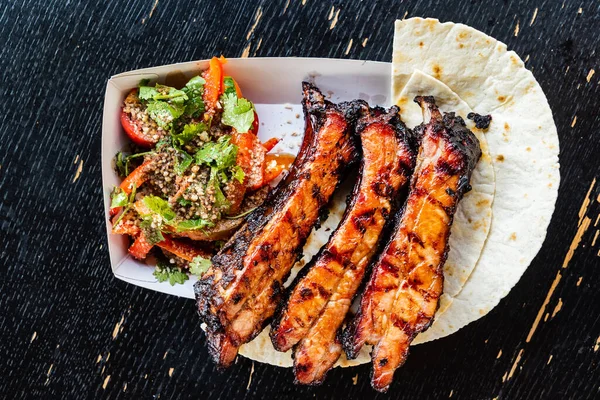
x=523 y=144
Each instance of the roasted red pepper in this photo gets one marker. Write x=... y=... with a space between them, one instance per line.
x=213 y=86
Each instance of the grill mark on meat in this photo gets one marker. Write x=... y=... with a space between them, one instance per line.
x=312 y=324
x=238 y=295
x=403 y=291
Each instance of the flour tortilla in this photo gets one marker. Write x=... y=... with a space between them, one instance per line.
x=523 y=144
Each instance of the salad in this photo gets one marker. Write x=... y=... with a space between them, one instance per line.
x=194 y=169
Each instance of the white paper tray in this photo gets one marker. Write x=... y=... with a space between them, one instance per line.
x=274 y=85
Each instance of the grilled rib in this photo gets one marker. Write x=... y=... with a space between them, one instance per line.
x=239 y=294
x=402 y=294
x=320 y=299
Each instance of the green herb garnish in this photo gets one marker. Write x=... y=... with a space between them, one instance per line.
x=194 y=89
x=183 y=202
x=242 y=214
x=119 y=198
x=229 y=85
x=221 y=154
x=173 y=275
x=159 y=206
x=237 y=112
x=193 y=224
x=189 y=132
x=153 y=235
x=128 y=206
x=200 y=265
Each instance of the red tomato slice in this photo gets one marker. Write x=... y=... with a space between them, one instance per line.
x=133 y=129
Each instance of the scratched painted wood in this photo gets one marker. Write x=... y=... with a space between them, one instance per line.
x=68 y=329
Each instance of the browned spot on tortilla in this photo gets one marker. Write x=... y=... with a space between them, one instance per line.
x=528 y=148
x=461 y=36
x=437 y=71
x=500 y=158
x=421 y=44
x=506 y=126
x=550 y=185
x=514 y=60
x=513 y=236
x=460 y=45
x=482 y=203
x=501 y=99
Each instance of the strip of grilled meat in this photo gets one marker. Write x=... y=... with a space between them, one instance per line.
x=321 y=297
x=402 y=294
x=239 y=293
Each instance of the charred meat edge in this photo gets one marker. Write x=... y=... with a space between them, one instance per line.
x=237 y=296
x=323 y=291
x=402 y=294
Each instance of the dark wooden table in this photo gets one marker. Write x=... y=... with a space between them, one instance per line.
x=69 y=329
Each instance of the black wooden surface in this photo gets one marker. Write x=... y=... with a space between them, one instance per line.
x=68 y=329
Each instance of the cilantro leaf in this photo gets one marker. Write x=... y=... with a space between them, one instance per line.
x=160 y=207
x=220 y=199
x=238 y=174
x=238 y=113
x=183 y=202
x=161 y=92
x=164 y=113
x=147 y=93
x=193 y=224
x=196 y=83
x=194 y=90
x=119 y=198
x=182 y=165
x=164 y=103
x=153 y=235
x=121 y=163
x=200 y=265
x=173 y=275
x=229 y=85
x=189 y=132
x=220 y=154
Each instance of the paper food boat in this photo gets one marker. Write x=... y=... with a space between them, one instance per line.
x=273 y=84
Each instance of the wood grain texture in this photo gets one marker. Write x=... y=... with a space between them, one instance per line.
x=68 y=329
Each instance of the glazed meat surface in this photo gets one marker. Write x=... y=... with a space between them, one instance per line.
x=239 y=294
x=323 y=292
x=402 y=294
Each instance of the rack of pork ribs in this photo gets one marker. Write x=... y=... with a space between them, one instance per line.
x=392 y=241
